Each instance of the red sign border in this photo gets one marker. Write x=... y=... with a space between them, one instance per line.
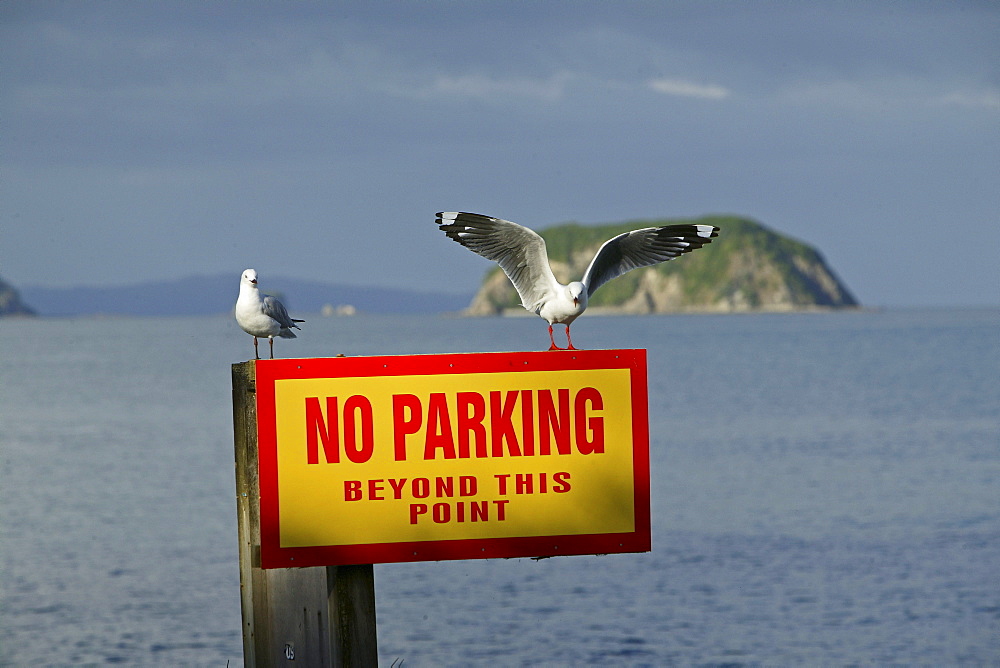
x=272 y=555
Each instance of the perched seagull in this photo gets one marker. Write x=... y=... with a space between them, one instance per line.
x=262 y=317
x=521 y=253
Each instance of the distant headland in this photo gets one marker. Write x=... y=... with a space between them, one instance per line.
x=10 y=301
x=747 y=268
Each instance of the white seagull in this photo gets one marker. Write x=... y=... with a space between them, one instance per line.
x=262 y=317
x=521 y=253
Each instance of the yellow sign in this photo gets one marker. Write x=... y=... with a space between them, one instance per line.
x=376 y=459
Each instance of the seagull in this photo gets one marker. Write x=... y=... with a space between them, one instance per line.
x=262 y=317
x=521 y=253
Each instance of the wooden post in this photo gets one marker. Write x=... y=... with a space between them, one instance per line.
x=293 y=616
x=351 y=597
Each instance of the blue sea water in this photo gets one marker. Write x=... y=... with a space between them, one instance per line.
x=825 y=490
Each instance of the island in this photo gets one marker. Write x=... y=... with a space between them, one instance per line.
x=749 y=267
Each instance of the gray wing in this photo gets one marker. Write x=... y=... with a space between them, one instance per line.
x=275 y=309
x=642 y=248
x=519 y=251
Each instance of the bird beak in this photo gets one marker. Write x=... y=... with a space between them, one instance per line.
x=576 y=301
x=254 y=281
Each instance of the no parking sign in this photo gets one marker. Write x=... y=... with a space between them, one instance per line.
x=458 y=456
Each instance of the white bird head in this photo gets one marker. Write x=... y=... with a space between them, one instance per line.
x=578 y=293
x=249 y=277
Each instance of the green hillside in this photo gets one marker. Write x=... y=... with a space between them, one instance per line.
x=747 y=267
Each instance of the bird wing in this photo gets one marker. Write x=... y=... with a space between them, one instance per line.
x=642 y=248
x=275 y=309
x=520 y=252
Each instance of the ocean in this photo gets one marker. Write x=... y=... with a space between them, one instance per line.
x=825 y=491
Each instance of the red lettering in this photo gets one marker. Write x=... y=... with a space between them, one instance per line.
x=559 y=418
x=471 y=423
x=502 y=482
x=560 y=482
x=475 y=511
x=438 y=428
x=352 y=490
x=397 y=487
x=480 y=511
x=379 y=489
x=467 y=485
x=402 y=426
x=530 y=483
x=594 y=426
x=358 y=454
x=528 y=422
x=326 y=429
x=502 y=424
x=523 y=483
x=420 y=488
x=316 y=426
x=416 y=510
x=500 y=509
x=549 y=423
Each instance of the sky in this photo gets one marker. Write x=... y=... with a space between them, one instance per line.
x=143 y=141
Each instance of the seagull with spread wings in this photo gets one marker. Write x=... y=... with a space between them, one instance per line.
x=262 y=316
x=521 y=254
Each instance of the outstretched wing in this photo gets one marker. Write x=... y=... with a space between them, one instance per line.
x=275 y=309
x=519 y=251
x=642 y=248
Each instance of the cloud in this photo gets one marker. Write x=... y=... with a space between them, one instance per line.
x=688 y=89
x=878 y=95
x=981 y=99
x=490 y=89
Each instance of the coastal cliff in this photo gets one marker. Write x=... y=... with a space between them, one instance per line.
x=747 y=268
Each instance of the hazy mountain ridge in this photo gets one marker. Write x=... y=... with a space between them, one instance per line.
x=748 y=267
x=207 y=295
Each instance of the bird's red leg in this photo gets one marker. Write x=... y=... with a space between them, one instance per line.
x=255 y=353
x=569 y=341
x=553 y=340
x=271 y=341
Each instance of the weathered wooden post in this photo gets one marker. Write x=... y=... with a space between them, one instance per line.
x=319 y=616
